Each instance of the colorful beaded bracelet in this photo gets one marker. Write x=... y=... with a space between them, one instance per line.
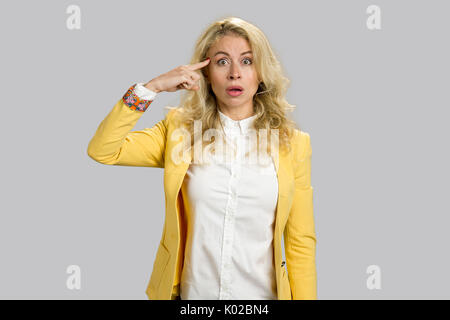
x=134 y=102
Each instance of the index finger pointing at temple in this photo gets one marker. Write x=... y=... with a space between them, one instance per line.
x=200 y=64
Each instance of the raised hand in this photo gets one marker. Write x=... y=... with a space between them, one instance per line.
x=182 y=77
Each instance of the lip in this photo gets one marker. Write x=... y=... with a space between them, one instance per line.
x=235 y=87
x=234 y=93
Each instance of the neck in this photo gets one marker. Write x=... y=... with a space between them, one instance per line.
x=237 y=113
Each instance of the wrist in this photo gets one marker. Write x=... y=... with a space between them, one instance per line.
x=152 y=86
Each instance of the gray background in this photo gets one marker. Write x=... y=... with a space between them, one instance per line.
x=374 y=102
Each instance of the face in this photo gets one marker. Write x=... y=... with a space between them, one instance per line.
x=232 y=65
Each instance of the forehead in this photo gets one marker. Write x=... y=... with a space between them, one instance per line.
x=233 y=45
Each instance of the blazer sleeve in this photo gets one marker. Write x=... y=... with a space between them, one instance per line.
x=299 y=233
x=114 y=144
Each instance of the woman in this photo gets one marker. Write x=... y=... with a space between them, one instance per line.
x=224 y=217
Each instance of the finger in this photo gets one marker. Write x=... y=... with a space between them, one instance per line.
x=184 y=85
x=188 y=79
x=194 y=77
x=191 y=76
x=192 y=86
x=199 y=65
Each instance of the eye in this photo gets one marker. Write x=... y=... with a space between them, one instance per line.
x=223 y=59
x=218 y=62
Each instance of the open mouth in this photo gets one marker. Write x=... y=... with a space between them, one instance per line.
x=234 y=91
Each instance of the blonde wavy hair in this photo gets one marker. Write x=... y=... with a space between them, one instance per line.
x=269 y=102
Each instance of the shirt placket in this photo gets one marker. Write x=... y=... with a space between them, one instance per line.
x=228 y=230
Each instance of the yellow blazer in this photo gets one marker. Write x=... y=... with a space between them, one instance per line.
x=115 y=144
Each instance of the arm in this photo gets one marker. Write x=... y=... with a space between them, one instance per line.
x=114 y=144
x=299 y=233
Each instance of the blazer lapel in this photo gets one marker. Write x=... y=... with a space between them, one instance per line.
x=285 y=188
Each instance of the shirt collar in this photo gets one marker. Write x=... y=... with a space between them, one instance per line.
x=242 y=125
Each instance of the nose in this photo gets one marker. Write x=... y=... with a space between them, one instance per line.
x=234 y=73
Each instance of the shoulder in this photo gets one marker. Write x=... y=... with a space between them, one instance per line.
x=301 y=142
x=172 y=115
x=171 y=112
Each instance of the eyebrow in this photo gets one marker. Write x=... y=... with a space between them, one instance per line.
x=223 y=52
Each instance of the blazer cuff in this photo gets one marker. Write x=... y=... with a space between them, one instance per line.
x=134 y=102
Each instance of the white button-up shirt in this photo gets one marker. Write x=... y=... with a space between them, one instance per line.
x=230 y=221
x=229 y=247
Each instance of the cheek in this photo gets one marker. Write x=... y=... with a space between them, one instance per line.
x=217 y=79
